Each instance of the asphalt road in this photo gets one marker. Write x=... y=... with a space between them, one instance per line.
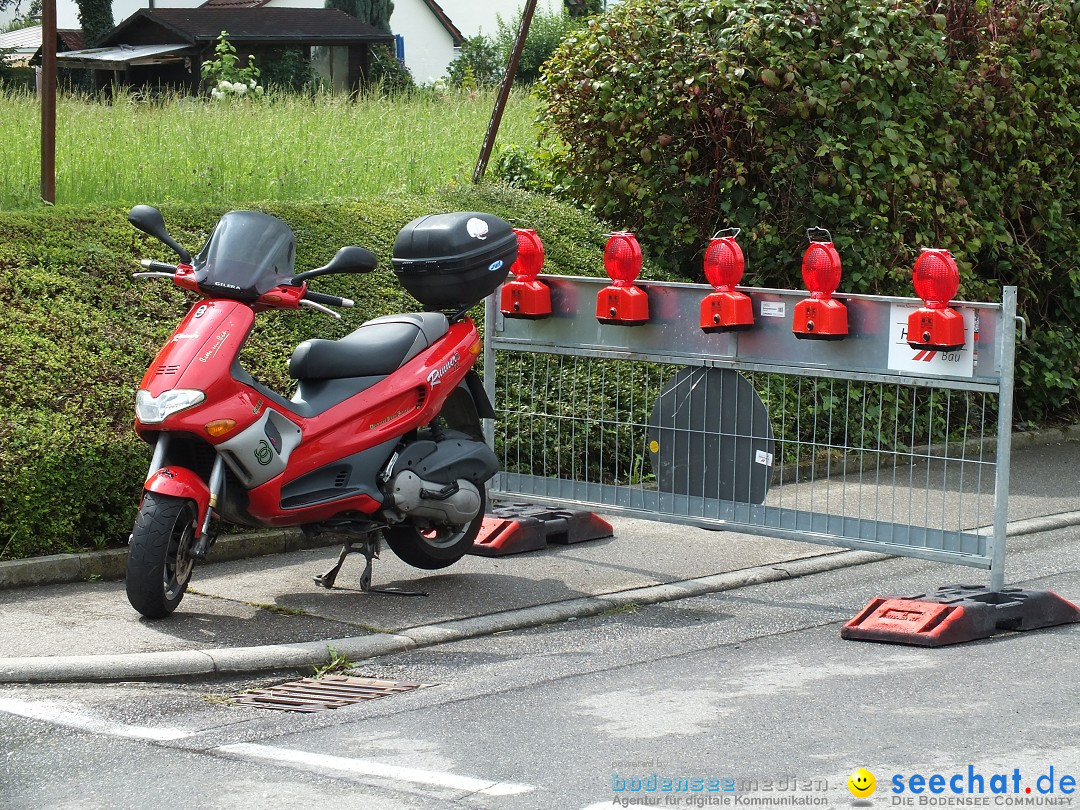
x=751 y=688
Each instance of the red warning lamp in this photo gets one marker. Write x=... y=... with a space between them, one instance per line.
x=621 y=303
x=726 y=309
x=525 y=297
x=821 y=317
x=936 y=325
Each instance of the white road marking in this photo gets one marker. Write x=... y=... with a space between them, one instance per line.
x=63 y=715
x=364 y=767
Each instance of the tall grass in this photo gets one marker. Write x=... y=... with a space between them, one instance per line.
x=285 y=147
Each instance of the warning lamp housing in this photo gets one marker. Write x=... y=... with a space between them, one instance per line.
x=622 y=303
x=936 y=325
x=725 y=310
x=821 y=317
x=525 y=297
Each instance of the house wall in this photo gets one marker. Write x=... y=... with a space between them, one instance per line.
x=428 y=46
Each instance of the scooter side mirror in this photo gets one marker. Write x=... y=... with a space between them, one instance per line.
x=149 y=220
x=350 y=259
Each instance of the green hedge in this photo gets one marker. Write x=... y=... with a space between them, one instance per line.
x=77 y=334
x=897 y=124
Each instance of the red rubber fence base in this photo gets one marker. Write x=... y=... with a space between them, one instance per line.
x=958 y=613
x=522 y=527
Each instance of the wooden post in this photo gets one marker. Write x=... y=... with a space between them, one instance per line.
x=48 y=101
x=504 y=92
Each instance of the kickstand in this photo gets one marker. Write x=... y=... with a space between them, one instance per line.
x=369 y=547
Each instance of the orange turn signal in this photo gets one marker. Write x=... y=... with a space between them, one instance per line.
x=220 y=427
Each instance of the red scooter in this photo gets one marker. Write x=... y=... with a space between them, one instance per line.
x=382 y=434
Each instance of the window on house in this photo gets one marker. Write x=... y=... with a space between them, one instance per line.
x=330 y=64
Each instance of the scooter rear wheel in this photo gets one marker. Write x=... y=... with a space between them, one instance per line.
x=431 y=549
x=159 y=562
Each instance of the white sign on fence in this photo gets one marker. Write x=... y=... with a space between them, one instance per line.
x=902 y=357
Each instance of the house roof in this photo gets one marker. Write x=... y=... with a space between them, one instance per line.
x=23 y=39
x=26 y=42
x=436 y=11
x=285 y=25
x=440 y=15
x=234 y=3
x=72 y=38
x=112 y=58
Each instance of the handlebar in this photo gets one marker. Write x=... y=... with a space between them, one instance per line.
x=158 y=267
x=317 y=300
x=310 y=298
x=330 y=300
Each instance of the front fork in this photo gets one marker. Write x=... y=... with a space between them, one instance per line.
x=183 y=483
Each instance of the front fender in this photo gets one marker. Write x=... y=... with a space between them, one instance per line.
x=180 y=482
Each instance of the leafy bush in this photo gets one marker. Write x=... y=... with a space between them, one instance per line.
x=7 y=72
x=228 y=78
x=95 y=19
x=483 y=59
x=546 y=32
x=288 y=69
x=517 y=166
x=479 y=64
x=373 y=12
x=76 y=336
x=387 y=73
x=898 y=124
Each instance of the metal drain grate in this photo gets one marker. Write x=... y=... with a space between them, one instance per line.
x=319 y=694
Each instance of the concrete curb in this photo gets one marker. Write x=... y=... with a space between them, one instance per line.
x=270 y=658
x=1048 y=523
x=60 y=569
x=1039 y=438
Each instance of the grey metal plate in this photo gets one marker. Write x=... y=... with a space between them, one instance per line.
x=709 y=436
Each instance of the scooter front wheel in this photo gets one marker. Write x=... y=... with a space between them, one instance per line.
x=431 y=549
x=159 y=559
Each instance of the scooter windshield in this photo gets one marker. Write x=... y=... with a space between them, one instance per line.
x=248 y=254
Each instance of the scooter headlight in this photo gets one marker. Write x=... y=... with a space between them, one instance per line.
x=153 y=410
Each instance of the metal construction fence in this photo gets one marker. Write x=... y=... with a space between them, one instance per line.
x=863 y=442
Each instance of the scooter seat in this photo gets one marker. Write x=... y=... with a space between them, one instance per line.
x=379 y=347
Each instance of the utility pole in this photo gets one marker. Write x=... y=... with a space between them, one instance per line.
x=504 y=92
x=48 y=101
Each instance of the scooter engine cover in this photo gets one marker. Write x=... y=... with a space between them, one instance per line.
x=454 y=261
x=446 y=461
x=418 y=498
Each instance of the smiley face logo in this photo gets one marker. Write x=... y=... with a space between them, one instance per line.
x=862 y=783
